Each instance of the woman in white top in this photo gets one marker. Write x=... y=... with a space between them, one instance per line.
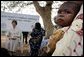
x=14 y=36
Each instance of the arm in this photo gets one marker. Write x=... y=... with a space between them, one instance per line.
x=51 y=46
x=8 y=34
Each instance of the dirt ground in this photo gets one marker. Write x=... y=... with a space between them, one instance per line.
x=25 y=51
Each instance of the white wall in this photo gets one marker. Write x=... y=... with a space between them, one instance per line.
x=25 y=22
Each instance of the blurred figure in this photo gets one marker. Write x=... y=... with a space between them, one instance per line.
x=25 y=35
x=14 y=35
x=4 y=52
x=36 y=39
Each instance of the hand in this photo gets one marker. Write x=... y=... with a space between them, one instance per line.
x=54 y=38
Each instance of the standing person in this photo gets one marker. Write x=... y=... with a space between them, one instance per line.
x=25 y=36
x=14 y=36
x=35 y=42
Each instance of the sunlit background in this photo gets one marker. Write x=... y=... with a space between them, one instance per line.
x=29 y=9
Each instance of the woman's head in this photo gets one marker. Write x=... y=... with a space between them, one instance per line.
x=37 y=26
x=66 y=13
x=14 y=23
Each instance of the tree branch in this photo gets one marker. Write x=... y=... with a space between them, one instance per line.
x=38 y=7
x=49 y=3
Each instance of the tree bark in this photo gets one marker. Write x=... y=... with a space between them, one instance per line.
x=45 y=13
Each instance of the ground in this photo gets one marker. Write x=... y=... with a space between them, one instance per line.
x=26 y=48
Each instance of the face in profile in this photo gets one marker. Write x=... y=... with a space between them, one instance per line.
x=65 y=15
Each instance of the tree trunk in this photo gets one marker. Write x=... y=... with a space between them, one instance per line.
x=45 y=13
x=47 y=22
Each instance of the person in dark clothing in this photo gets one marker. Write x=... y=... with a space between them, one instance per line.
x=37 y=36
x=25 y=34
x=4 y=52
